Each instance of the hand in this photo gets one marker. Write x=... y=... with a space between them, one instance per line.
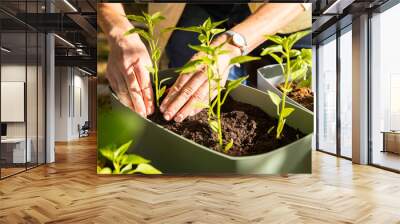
x=190 y=89
x=127 y=72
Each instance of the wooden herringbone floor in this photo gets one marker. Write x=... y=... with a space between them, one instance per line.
x=69 y=191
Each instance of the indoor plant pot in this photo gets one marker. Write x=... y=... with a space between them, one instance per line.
x=269 y=77
x=174 y=154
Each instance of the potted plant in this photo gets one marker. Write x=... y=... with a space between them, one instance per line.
x=272 y=77
x=113 y=160
x=150 y=21
x=245 y=118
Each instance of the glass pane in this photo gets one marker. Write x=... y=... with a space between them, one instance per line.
x=41 y=99
x=31 y=98
x=346 y=93
x=385 y=84
x=13 y=86
x=327 y=97
x=32 y=86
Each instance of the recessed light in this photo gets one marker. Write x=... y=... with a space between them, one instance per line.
x=64 y=40
x=5 y=50
x=70 y=5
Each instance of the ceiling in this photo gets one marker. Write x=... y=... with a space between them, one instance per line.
x=75 y=21
x=72 y=20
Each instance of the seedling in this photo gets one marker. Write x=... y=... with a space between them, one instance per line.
x=124 y=163
x=150 y=21
x=295 y=68
x=208 y=59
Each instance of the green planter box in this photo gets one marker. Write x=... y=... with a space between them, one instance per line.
x=173 y=154
x=269 y=77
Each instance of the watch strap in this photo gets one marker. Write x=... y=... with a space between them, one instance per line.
x=243 y=49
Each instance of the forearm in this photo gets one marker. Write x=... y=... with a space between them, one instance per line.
x=112 y=20
x=267 y=20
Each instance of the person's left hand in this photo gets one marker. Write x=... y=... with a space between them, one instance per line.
x=190 y=89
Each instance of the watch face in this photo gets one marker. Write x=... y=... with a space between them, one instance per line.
x=238 y=40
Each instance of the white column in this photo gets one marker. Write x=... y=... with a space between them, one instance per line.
x=50 y=92
x=360 y=90
x=50 y=98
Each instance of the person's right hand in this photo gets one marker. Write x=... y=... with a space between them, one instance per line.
x=127 y=72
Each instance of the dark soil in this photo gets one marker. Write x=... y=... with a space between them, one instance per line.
x=245 y=124
x=303 y=96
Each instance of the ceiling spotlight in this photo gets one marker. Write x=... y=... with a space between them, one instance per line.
x=5 y=50
x=64 y=40
x=70 y=5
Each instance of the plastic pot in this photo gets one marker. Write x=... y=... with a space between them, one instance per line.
x=269 y=77
x=174 y=154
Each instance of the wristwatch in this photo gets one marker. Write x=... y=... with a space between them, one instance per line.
x=238 y=40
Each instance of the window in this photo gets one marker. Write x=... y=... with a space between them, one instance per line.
x=346 y=95
x=327 y=96
x=385 y=89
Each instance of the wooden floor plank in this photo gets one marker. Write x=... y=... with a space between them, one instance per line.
x=69 y=191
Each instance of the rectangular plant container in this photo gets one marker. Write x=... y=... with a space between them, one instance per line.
x=174 y=154
x=269 y=77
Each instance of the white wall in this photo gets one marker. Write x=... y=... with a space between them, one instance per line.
x=70 y=83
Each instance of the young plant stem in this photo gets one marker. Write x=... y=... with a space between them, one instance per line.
x=219 y=103
x=150 y=21
x=209 y=55
x=155 y=59
x=287 y=72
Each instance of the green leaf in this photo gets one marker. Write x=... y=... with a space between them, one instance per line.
x=202 y=38
x=213 y=126
x=194 y=29
x=136 y=18
x=126 y=168
x=243 y=59
x=133 y=159
x=164 y=80
x=150 y=69
x=162 y=91
x=275 y=38
x=146 y=16
x=207 y=24
x=228 y=146
x=200 y=105
x=275 y=98
x=306 y=55
x=294 y=53
x=233 y=84
x=156 y=17
x=221 y=52
x=287 y=111
x=272 y=49
x=201 y=48
x=105 y=170
x=293 y=38
x=108 y=153
x=305 y=83
x=216 y=31
x=285 y=43
x=276 y=57
x=145 y=169
x=299 y=73
x=141 y=32
x=190 y=66
x=155 y=55
x=122 y=149
x=216 y=24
